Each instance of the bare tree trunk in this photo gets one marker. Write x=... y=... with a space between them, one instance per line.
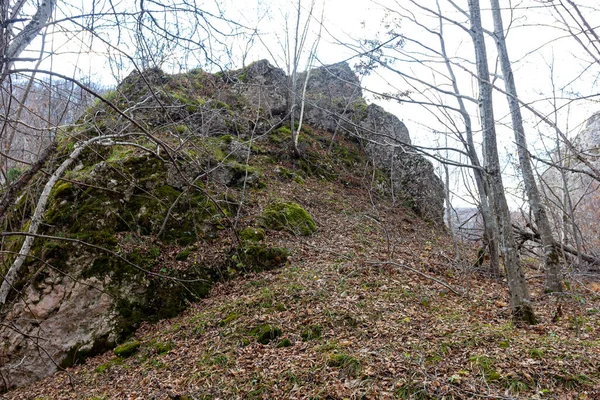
x=13 y=189
x=551 y=255
x=294 y=83
x=489 y=222
x=519 y=295
x=26 y=36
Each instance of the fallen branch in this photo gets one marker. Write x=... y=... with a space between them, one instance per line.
x=535 y=237
x=15 y=187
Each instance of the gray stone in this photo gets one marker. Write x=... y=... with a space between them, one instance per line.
x=49 y=323
x=264 y=86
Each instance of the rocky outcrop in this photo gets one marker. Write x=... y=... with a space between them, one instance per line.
x=134 y=216
x=334 y=102
x=264 y=86
x=333 y=98
x=413 y=179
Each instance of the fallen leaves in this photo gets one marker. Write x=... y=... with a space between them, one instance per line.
x=393 y=332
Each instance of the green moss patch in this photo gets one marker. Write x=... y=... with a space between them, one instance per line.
x=312 y=332
x=127 y=349
x=266 y=333
x=259 y=257
x=349 y=365
x=252 y=234
x=284 y=343
x=288 y=216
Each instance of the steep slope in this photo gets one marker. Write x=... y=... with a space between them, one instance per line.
x=339 y=322
x=354 y=297
x=164 y=201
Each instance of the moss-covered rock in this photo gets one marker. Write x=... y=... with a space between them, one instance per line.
x=266 y=333
x=259 y=257
x=252 y=234
x=288 y=216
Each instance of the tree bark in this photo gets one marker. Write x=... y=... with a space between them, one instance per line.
x=489 y=223
x=520 y=303
x=31 y=30
x=550 y=254
x=9 y=195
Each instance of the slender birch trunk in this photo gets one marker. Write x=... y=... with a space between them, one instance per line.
x=550 y=253
x=519 y=295
x=15 y=269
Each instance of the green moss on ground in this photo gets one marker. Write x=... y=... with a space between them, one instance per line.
x=257 y=258
x=288 y=216
x=252 y=234
x=266 y=333
x=127 y=349
x=349 y=365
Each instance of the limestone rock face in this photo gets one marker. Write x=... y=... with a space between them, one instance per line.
x=334 y=102
x=588 y=139
x=140 y=207
x=384 y=127
x=583 y=190
x=57 y=319
x=333 y=98
x=264 y=86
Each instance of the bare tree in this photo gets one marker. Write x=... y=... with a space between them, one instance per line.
x=519 y=295
x=551 y=256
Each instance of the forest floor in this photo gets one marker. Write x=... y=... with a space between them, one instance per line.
x=372 y=306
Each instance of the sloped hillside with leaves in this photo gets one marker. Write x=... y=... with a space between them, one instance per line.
x=151 y=197
x=370 y=306
x=186 y=254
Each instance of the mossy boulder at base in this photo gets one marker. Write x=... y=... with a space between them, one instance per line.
x=288 y=216
x=252 y=234
x=266 y=333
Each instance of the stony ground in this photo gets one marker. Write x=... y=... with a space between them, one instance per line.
x=373 y=306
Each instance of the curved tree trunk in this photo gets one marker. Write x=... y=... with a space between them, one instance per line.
x=15 y=269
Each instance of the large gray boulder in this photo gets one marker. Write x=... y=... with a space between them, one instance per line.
x=264 y=86
x=334 y=102
x=333 y=98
